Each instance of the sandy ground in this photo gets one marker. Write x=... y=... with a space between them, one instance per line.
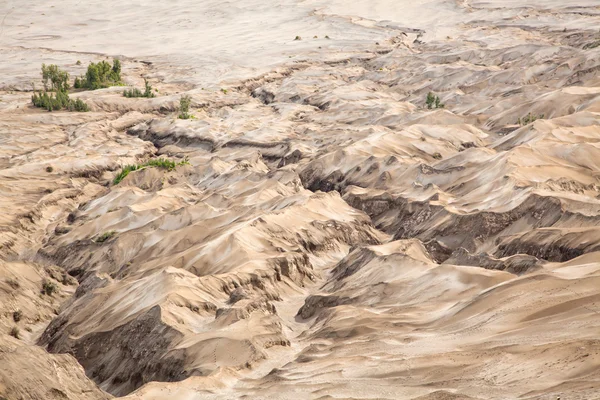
x=329 y=235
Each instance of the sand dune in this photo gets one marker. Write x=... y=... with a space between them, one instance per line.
x=325 y=234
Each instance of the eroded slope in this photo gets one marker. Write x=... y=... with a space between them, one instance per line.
x=331 y=236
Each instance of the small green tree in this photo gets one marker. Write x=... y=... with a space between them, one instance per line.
x=59 y=80
x=433 y=101
x=184 y=107
x=147 y=89
x=430 y=100
x=116 y=70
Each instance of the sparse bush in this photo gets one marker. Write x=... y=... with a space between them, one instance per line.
x=100 y=75
x=437 y=156
x=78 y=105
x=184 y=107
x=433 y=101
x=297 y=38
x=78 y=62
x=163 y=163
x=17 y=315
x=529 y=118
x=49 y=169
x=105 y=236
x=124 y=172
x=224 y=91
x=14 y=332
x=135 y=92
x=49 y=288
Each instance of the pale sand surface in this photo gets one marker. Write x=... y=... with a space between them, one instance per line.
x=331 y=237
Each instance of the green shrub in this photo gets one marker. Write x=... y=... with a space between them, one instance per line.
x=163 y=163
x=529 y=118
x=184 y=107
x=105 y=236
x=124 y=172
x=49 y=288
x=59 y=84
x=14 y=332
x=147 y=89
x=100 y=75
x=17 y=315
x=433 y=101
x=58 y=101
x=437 y=156
x=135 y=92
x=78 y=105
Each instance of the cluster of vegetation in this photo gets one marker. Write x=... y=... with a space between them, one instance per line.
x=529 y=118
x=56 y=91
x=184 y=107
x=49 y=288
x=135 y=92
x=433 y=101
x=58 y=101
x=100 y=75
x=105 y=236
x=163 y=163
